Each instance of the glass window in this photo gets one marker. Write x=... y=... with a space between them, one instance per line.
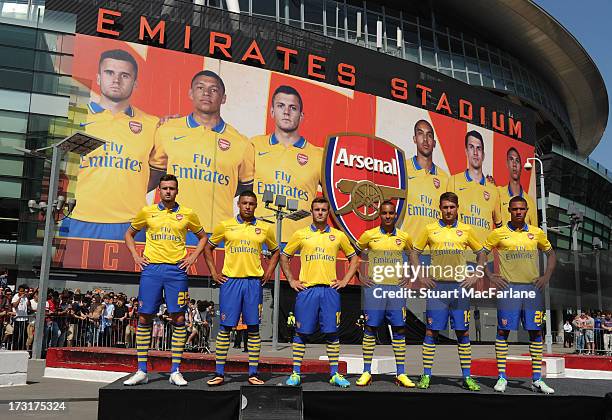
x=427 y=38
x=444 y=60
x=13 y=122
x=16 y=79
x=429 y=58
x=17 y=36
x=17 y=57
x=14 y=100
x=442 y=42
x=470 y=50
x=460 y=75
x=313 y=11
x=11 y=166
x=474 y=79
x=244 y=6
x=8 y=142
x=351 y=13
x=266 y=8
x=372 y=22
x=10 y=188
x=458 y=62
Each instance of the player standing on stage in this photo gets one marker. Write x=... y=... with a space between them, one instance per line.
x=386 y=245
x=448 y=239
x=285 y=162
x=210 y=157
x=318 y=300
x=514 y=188
x=426 y=181
x=518 y=243
x=164 y=267
x=241 y=280
x=480 y=198
x=130 y=134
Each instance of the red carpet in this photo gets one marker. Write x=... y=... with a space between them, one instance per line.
x=124 y=360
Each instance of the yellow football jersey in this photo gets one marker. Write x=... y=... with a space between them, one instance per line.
x=117 y=173
x=293 y=171
x=518 y=251
x=209 y=164
x=504 y=201
x=318 y=252
x=243 y=245
x=385 y=249
x=166 y=231
x=478 y=203
x=448 y=245
x=423 y=196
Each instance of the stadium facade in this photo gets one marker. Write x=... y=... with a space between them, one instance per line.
x=512 y=49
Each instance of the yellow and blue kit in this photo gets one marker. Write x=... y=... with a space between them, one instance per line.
x=383 y=300
x=318 y=303
x=117 y=172
x=505 y=194
x=293 y=171
x=209 y=164
x=242 y=292
x=519 y=264
x=448 y=245
x=166 y=231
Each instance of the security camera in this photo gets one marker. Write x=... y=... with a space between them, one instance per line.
x=59 y=203
x=528 y=166
x=33 y=206
x=71 y=204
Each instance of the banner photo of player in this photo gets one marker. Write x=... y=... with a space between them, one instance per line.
x=222 y=128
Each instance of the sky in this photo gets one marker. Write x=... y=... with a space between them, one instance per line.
x=589 y=22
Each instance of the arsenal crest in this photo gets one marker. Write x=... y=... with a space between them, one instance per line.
x=332 y=238
x=398 y=242
x=224 y=144
x=135 y=126
x=459 y=232
x=360 y=172
x=486 y=195
x=179 y=217
x=504 y=322
x=429 y=321
x=257 y=231
x=302 y=159
x=436 y=182
x=530 y=235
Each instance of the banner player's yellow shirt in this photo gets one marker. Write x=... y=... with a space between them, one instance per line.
x=318 y=253
x=166 y=231
x=423 y=196
x=293 y=171
x=518 y=251
x=385 y=249
x=117 y=173
x=504 y=201
x=478 y=203
x=243 y=245
x=209 y=165
x=448 y=245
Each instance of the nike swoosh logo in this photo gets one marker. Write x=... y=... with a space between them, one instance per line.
x=461 y=189
x=411 y=177
x=85 y=123
x=263 y=153
x=179 y=137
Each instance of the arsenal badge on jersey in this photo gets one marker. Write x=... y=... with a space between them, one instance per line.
x=486 y=195
x=459 y=232
x=224 y=144
x=179 y=217
x=257 y=231
x=530 y=235
x=332 y=238
x=302 y=159
x=436 y=182
x=135 y=126
x=398 y=242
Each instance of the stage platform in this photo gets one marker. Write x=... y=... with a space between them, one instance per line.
x=574 y=399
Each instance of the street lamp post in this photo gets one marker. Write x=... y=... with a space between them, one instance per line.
x=576 y=218
x=291 y=213
x=79 y=143
x=548 y=336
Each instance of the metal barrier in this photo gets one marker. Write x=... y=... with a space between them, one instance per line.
x=595 y=341
x=69 y=331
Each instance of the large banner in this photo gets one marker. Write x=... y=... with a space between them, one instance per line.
x=222 y=126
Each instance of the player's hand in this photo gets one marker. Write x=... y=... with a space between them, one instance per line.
x=188 y=262
x=497 y=280
x=365 y=280
x=141 y=261
x=469 y=282
x=166 y=118
x=405 y=282
x=427 y=282
x=219 y=278
x=267 y=277
x=296 y=285
x=541 y=282
x=339 y=284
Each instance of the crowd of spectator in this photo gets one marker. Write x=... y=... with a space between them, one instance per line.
x=98 y=318
x=589 y=333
